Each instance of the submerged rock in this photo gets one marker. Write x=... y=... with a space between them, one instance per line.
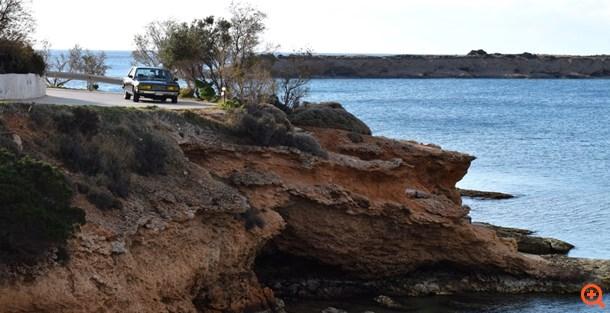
x=531 y=244
x=485 y=195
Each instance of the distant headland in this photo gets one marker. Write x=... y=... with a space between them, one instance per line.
x=476 y=64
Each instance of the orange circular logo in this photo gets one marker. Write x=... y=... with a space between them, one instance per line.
x=591 y=295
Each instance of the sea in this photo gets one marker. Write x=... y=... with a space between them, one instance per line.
x=545 y=141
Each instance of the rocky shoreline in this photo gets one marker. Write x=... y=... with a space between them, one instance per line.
x=229 y=212
x=477 y=64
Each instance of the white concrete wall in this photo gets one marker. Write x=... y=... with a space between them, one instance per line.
x=21 y=86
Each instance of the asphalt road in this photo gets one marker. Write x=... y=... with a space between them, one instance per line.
x=84 y=97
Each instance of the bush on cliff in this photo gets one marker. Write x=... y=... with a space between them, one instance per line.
x=111 y=151
x=35 y=214
x=267 y=125
x=327 y=115
x=19 y=57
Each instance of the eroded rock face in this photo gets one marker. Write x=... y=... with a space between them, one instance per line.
x=178 y=243
x=360 y=214
x=375 y=216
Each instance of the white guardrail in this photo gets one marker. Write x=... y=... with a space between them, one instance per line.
x=22 y=86
x=87 y=77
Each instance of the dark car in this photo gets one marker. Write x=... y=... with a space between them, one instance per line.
x=152 y=83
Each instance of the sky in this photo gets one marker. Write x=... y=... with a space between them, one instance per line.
x=353 y=26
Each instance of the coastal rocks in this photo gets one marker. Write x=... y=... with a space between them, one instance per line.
x=250 y=222
x=484 y=195
x=354 y=214
x=388 y=302
x=333 y=310
x=328 y=115
x=527 y=243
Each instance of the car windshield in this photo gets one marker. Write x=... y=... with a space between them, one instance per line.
x=153 y=74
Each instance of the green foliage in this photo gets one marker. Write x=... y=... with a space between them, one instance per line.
x=79 y=156
x=230 y=104
x=152 y=155
x=111 y=151
x=20 y=58
x=206 y=91
x=35 y=213
x=308 y=143
x=80 y=120
x=267 y=125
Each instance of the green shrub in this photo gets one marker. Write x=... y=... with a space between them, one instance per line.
x=91 y=158
x=80 y=119
x=267 y=125
x=151 y=155
x=19 y=58
x=309 y=144
x=230 y=104
x=35 y=213
x=327 y=115
x=79 y=157
x=205 y=89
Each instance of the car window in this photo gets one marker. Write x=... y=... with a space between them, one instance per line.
x=131 y=72
x=153 y=74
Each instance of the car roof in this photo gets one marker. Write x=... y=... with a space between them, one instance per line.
x=150 y=68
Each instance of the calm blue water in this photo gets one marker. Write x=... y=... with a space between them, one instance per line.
x=547 y=141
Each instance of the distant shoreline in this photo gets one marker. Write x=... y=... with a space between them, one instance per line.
x=476 y=64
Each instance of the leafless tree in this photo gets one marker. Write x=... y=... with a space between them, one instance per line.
x=247 y=25
x=16 y=22
x=249 y=77
x=93 y=64
x=252 y=83
x=293 y=79
x=76 y=60
x=70 y=63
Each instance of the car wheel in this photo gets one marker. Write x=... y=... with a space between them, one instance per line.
x=174 y=99
x=127 y=95
x=163 y=100
x=136 y=96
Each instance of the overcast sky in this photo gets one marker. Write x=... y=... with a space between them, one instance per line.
x=352 y=26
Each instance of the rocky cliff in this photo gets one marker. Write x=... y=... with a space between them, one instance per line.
x=213 y=212
x=473 y=65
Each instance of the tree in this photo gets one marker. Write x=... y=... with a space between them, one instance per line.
x=249 y=77
x=93 y=64
x=293 y=79
x=222 y=51
x=71 y=63
x=247 y=25
x=16 y=22
x=76 y=61
x=151 y=42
